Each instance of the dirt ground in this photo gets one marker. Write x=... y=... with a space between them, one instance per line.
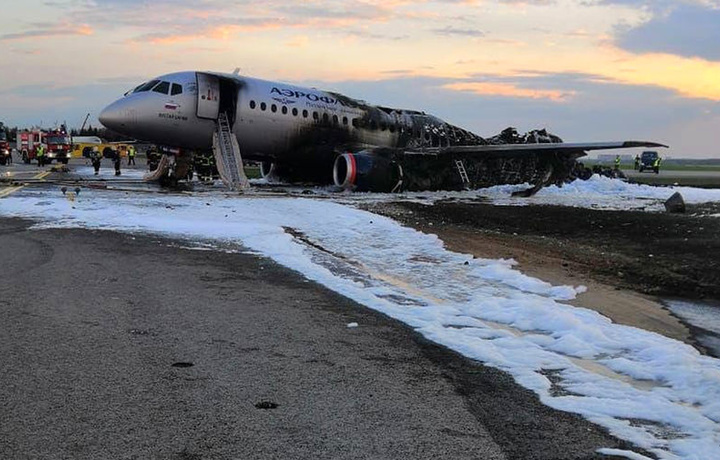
x=627 y=259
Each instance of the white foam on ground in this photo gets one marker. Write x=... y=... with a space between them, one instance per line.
x=665 y=398
x=602 y=193
x=702 y=316
x=596 y=193
x=623 y=453
x=107 y=171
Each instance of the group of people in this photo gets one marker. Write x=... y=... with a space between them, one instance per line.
x=96 y=159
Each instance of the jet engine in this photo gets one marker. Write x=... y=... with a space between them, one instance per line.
x=367 y=172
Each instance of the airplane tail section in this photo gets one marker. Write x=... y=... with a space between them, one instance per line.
x=227 y=156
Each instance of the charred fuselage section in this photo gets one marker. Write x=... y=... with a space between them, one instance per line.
x=439 y=156
x=381 y=149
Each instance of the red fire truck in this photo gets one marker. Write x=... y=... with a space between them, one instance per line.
x=57 y=144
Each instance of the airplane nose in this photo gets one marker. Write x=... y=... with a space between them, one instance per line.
x=113 y=116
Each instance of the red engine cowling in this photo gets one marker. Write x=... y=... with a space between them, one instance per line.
x=366 y=172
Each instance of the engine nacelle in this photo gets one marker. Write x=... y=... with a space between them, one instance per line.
x=366 y=172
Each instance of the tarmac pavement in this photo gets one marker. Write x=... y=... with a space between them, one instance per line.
x=121 y=346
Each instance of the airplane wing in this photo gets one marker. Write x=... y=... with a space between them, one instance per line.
x=509 y=150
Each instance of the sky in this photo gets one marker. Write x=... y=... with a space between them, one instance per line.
x=587 y=70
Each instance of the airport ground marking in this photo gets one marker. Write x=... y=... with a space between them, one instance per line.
x=14 y=188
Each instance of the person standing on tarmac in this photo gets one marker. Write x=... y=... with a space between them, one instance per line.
x=637 y=162
x=656 y=165
x=96 y=158
x=117 y=163
x=40 y=155
x=131 y=155
x=617 y=161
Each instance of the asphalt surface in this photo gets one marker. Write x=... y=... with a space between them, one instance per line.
x=701 y=178
x=122 y=346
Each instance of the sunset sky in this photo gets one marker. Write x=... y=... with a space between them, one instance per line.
x=588 y=70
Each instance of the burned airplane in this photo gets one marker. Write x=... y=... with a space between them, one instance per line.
x=306 y=135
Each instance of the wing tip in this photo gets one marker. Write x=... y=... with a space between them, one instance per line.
x=631 y=144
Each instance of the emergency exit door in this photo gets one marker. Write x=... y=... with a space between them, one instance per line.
x=208 y=104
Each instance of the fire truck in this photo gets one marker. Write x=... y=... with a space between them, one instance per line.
x=57 y=144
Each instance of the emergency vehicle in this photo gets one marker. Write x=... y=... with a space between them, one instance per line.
x=649 y=162
x=57 y=144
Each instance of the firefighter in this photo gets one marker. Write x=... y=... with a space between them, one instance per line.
x=153 y=158
x=131 y=155
x=205 y=171
x=617 y=161
x=40 y=155
x=95 y=158
x=116 y=160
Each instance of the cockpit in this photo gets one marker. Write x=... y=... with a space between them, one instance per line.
x=170 y=109
x=158 y=86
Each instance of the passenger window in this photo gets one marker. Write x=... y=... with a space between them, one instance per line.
x=273 y=108
x=162 y=88
x=263 y=106
x=325 y=117
x=305 y=113
x=284 y=110
x=295 y=112
x=176 y=89
x=335 y=119
x=316 y=116
x=252 y=105
x=345 y=121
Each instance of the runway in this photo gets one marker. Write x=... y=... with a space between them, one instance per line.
x=484 y=309
x=97 y=328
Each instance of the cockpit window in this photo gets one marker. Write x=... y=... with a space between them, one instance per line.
x=146 y=87
x=162 y=87
x=176 y=89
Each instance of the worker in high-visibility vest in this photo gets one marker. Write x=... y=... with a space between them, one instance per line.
x=40 y=155
x=131 y=155
x=656 y=165
x=617 y=161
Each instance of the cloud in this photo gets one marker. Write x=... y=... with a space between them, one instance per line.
x=509 y=90
x=449 y=31
x=46 y=31
x=686 y=30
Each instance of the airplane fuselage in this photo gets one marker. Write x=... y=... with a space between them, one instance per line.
x=304 y=134
x=274 y=122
